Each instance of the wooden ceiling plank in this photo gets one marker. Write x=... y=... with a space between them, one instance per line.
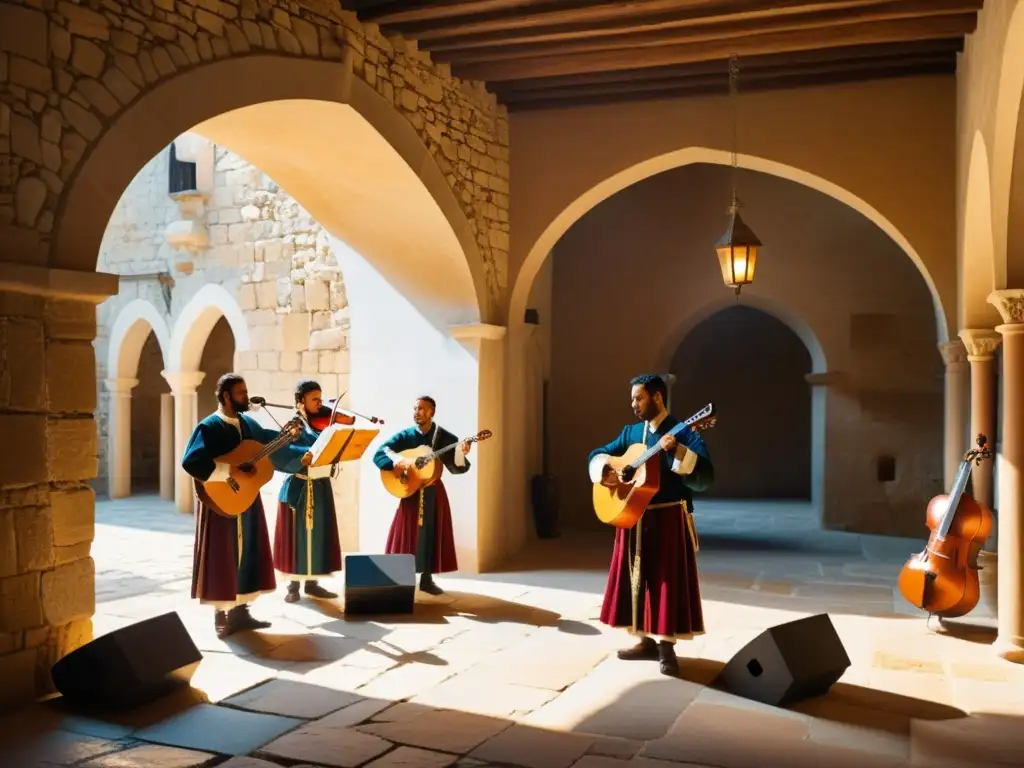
x=720 y=80
x=938 y=27
x=912 y=11
x=409 y=11
x=601 y=15
x=807 y=81
x=667 y=29
x=947 y=47
x=515 y=89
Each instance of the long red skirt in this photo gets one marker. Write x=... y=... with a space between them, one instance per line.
x=403 y=538
x=220 y=576
x=669 y=601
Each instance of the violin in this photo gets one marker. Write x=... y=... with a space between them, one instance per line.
x=942 y=579
x=331 y=413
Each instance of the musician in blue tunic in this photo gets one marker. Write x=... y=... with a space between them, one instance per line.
x=423 y=521
x=231 y=563
x=306 y=545
x=661 y=604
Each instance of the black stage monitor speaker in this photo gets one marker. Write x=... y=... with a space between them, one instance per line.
x=378 y=584
x=129 y=666
x=787 y=663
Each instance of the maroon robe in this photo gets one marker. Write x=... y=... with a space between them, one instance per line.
x=669 y=605
x=403 y=538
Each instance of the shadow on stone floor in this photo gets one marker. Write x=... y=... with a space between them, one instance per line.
x=286 y=722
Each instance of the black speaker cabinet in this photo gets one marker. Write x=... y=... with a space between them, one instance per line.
x=379 y=584
x=129 y=666
x=787 y=663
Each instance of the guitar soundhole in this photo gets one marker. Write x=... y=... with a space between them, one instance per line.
x=628 y=474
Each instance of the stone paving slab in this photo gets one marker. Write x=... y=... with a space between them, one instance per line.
x=512 y=669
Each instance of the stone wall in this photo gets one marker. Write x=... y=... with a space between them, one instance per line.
x=46 y=506
x=249 y=236
x=74 y=67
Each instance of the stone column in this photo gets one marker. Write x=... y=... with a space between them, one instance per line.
x=47 y=507
x=956 y=440
x=186 y=404
x=1010 y=642
x=119 y=437
x=167 y=446
x=493 y=533
x=981 y=347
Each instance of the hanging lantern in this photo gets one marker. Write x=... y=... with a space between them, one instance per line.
x=737 y=250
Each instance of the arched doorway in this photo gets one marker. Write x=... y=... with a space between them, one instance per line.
x=859 y=307
x=754 y=368
x=149 y=455
x=218 y=358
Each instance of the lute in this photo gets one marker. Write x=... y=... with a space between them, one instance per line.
x=425 y=469
x=640 y=471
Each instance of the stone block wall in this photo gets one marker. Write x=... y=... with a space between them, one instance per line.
x=46 y=505
x=249 y=236
x=74 y=67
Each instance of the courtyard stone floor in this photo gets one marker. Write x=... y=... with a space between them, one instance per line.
x=513 y=668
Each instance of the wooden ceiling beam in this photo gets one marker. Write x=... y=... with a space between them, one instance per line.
x=718 y=82
x=599 y=15
x=683 y=91
x=390 y=11
x=949 y=47
x=667 y=30
x=933 y=28
x=910 y=11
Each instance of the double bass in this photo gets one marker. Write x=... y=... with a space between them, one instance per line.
x=942 y=579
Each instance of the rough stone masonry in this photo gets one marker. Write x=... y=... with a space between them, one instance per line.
x=67 y=71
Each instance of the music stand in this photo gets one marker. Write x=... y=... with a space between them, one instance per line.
x=338 y=443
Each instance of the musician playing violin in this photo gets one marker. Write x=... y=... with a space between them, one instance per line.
x=652 y=588
x=306 y=544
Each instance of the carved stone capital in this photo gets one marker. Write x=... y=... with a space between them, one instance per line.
x=954 y=354
x=981 y=343
x=123 y=387
x=1010 y=304
x=183 y=382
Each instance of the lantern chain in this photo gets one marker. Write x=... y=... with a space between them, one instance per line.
x=734 y=80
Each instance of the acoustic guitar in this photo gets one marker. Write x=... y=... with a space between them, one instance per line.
x=250 y=471
x=639 y=469
x=425 y=469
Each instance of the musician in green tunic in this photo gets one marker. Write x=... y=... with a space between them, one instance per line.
x=306 y=545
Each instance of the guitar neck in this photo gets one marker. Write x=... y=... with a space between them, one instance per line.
x=272 y=446
x=653 y=450
x=442 y=451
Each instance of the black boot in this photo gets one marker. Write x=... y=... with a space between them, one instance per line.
x=293 y=592
x=315 y=590
x=240 y=620
x=645 y=650
x=667 y=661
x=220 y=624
x=427 y=585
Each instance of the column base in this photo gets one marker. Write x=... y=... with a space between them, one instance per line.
x=1010 y=648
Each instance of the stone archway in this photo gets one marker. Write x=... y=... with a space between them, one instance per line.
x=977 y=249
x=799 y=327
x=1005 y=140
x=192 y=329
x=557 y=226
x=134 y=325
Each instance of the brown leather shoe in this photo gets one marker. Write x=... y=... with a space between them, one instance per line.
x=240 y=620
x=645 y=650
x=315 y=590
x=667 y=661
x=427 y=585
x=293 y=593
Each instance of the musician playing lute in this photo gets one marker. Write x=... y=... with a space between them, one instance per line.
x=232 y=563
x=423 y=522
x=652 y=588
